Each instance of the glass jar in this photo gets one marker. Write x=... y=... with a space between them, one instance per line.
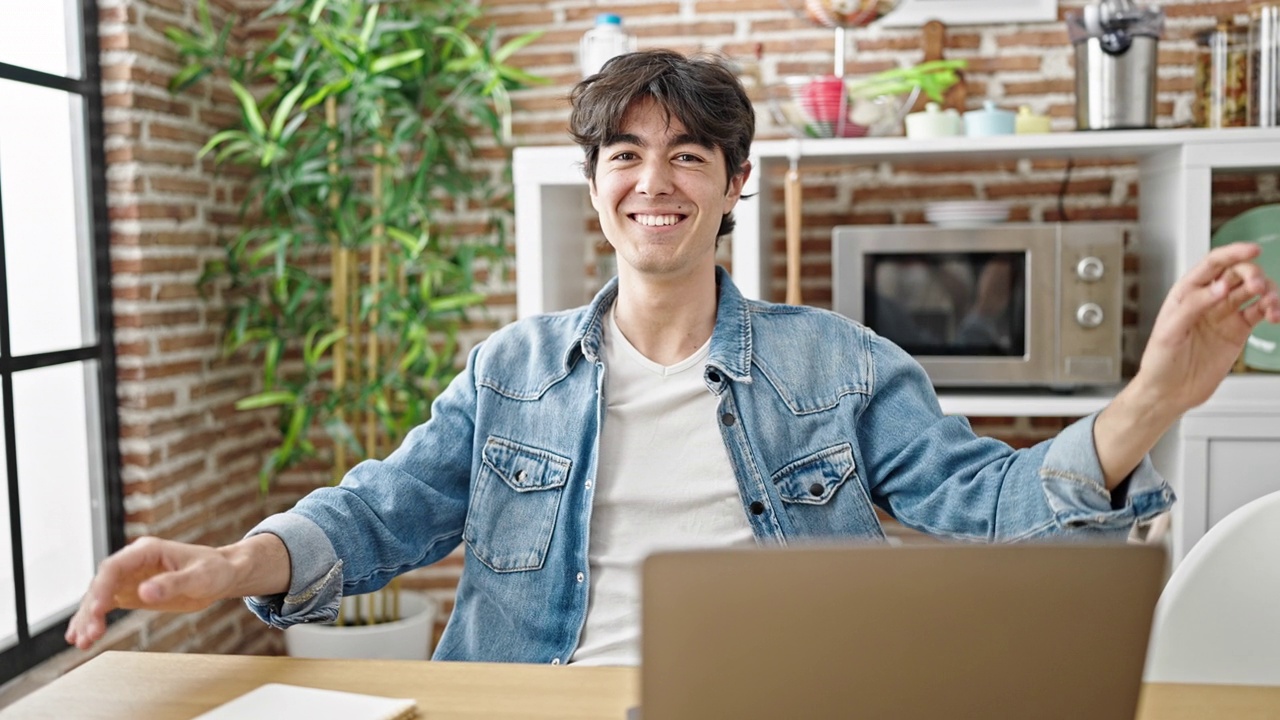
x=1222 y=62
x=1264 y=64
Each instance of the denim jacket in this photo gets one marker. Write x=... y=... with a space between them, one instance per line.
x=823 y=421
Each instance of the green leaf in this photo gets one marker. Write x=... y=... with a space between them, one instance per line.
x=267 y=399
x=395 y=60
x=271 y=360
x=217 y=140
x=328 y=340
x=316 y=10
x=284 y=108
x=520 y=76
x=250 y=108
x=202 y=11
x=187 y=77
x=336 y=86
x=514 y=45
x=370 y=22
x=455 y=302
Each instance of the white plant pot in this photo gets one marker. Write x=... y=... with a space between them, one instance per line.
x=408 y=638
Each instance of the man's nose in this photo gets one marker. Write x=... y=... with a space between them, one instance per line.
x=655 y=178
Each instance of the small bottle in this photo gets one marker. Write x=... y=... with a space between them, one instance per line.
x=604 y=41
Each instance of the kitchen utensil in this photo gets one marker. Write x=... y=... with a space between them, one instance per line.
x=825 y=106
x=990 y=120
x=793 y=205
x=1260 y=225
x=935 y=39
x=1115 y=57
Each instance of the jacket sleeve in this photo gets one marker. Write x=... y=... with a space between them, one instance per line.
x=932 y=473
x=385 y=518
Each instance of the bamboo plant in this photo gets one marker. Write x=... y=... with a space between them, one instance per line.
x=357 y=130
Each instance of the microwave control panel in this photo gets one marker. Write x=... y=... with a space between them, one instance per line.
x=1091 y=283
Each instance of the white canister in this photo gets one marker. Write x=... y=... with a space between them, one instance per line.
x=934 y=122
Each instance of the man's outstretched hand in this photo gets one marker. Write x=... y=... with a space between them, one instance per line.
x=170 y=576
x=1202 y=326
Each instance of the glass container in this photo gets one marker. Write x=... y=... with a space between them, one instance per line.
x=1222 y=62
x=1264 y=64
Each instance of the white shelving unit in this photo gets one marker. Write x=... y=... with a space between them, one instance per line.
x=1176 y=170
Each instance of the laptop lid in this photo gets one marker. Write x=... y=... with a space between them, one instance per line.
x=923 y=631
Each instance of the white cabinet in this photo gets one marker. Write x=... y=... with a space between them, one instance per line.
x=1222 y=455
x=1176 y=169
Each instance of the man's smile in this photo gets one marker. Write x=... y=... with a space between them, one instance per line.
x=657 y=220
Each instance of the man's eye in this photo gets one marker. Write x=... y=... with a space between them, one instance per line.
x=688 y=157
x=623 y=156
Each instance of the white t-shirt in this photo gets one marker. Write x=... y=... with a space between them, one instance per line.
x=664 y=481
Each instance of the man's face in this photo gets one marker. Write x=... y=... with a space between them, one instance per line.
x=661 y=196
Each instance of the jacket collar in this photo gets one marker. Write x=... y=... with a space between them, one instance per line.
x=730 y=339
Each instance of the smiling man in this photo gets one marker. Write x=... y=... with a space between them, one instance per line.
x=674 y=412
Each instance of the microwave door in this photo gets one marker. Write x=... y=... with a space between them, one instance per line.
x=974 y=310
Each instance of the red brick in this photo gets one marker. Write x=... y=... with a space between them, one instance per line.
x=187 y=342
x=163 y=370
x=179 y=186
x=672 y=9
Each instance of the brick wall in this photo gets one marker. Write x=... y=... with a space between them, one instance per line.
x=1013 y=64
x=190 y=460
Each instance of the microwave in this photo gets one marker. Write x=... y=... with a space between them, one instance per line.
x=1027 y=305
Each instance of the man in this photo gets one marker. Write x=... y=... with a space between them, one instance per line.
x=673 y=412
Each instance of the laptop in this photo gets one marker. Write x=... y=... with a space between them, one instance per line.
x=913 y=632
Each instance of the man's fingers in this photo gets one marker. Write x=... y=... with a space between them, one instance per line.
x=168 y=586
x=1218 y=261
x=112 y=581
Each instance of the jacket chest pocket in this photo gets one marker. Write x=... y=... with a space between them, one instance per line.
x=514 y=504
x=823 y=496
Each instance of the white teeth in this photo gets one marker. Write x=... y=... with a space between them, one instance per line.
x=657 y=220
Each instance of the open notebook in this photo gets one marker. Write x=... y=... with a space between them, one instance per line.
x=275 y=701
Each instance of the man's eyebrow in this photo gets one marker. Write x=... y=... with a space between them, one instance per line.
x=623 y=138
x=633 y=139
x=689 y=139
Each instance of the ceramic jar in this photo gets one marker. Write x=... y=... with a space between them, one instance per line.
x=934 y=122
x=990 y=120
x=1028 y=123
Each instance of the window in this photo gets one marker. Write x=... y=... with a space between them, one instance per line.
x=60 y=505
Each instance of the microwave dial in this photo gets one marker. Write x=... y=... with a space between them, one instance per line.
x=1090 y=269
x=1089 y=315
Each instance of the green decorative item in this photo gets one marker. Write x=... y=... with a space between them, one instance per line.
x=932 y=77
x=1260 y=225
x=357 y=133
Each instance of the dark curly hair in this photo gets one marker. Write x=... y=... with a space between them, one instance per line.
x=700 y=91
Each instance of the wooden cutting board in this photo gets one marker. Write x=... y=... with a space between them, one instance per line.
x=935 y=38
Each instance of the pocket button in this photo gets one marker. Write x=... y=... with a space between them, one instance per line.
x=816 y=489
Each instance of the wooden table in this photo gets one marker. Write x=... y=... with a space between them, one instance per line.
x=160 y=686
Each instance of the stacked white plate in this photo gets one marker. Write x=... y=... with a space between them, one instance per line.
x=966 y=213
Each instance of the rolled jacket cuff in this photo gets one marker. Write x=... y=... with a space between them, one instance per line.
x=315 y=581
x=1075 y=486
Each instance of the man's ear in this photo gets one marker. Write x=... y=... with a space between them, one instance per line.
x=736 y=183
x=591 y=190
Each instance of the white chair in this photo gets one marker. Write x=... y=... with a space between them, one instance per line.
x=1218 y=619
